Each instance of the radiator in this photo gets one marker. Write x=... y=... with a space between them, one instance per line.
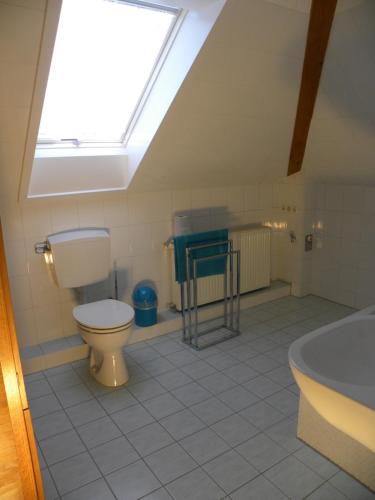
x=255 y=247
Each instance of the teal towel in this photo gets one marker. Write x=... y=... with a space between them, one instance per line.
x=204 y=268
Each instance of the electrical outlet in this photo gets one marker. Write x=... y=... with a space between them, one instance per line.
x=308 y=242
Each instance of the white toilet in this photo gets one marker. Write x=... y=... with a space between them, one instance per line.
x=82 y=257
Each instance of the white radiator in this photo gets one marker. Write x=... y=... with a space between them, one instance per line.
x=255 y=247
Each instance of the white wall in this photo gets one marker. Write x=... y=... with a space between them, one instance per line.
x=342 y=134
x=343 y=267
x=139 y=224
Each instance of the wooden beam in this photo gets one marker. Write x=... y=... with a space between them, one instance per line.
x=321 y=17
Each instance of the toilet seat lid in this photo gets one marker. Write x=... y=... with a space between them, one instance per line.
x=104 y=314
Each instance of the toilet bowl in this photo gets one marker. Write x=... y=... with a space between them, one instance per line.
x=106 y=326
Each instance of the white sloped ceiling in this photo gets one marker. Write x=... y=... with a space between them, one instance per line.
x=341 y=145
x=233 y=118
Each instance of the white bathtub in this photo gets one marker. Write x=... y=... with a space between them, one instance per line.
x=334 y=367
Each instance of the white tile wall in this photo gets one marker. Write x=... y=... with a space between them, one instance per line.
x=139 y=225
x=344 y=250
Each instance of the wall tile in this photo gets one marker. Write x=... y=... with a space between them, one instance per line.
x=64 y=216
x=43 y=291
x=115 y=212
x=26 y=327
x=235 y=199
x=251 y=197
x=181 y=201
x=37 y=221
x=21 y=292
x=91 y=214
x=334 y=197
x=48 y=322
x=140 y=239
x=16 y=257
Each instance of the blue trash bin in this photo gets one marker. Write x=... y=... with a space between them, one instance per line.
x=145 y=303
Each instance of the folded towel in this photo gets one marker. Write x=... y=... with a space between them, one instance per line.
x=204 y=268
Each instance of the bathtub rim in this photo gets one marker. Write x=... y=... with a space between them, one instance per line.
x=364 y=395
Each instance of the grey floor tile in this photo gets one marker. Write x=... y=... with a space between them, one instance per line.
x=163 y=405
x=182 y=424
x=146 y=389
x=181 y=358
x=350 y=487
x=262 y=345
x=51 y=424
x=42 y=462
x=63 y=380
x=241 y=373
x=74 y=472
x=217 y=382
x=230 y=471
x=159 y=494
x=95 y=388
x=326 y=492
x=137 y=374
x=191 y=394
x=293 y=478
x=44 y=405
x=73 y=395
x=196 y=485
x=262 y=386
x=262 y=415
x=316 y=462
x=282 y=376
x=158 y=366
x=132 y=418
x=204 y=445
x=61 y=446
x=258 y=489
x=133 y=482
x=168 y=347
x=98 y=490
x=198 y=369
x=234 y=430
x=38 y=388
x=243 y=352
x=262 y=452
x=280 y=354
x=85 y=412
x=31 y=377
x=50 y=491
x=173 y=379
x=114 y=455
x=98 y=432
x=117 y=400
x=262 y=364
x=212 y=410
x=150 y=438
x=170 y=463
x=285 y=434
x=238 y=398
x=284 y=401
x=294 y=388
x=143 y=354
x=222 y=361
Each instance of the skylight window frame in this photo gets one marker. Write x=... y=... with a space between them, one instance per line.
x=75 y=143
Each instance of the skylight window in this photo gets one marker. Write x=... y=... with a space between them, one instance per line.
x=105 y=55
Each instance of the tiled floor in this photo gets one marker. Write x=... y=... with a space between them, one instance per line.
x=208 y=425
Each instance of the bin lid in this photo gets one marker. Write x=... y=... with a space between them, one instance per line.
x=144 y=296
